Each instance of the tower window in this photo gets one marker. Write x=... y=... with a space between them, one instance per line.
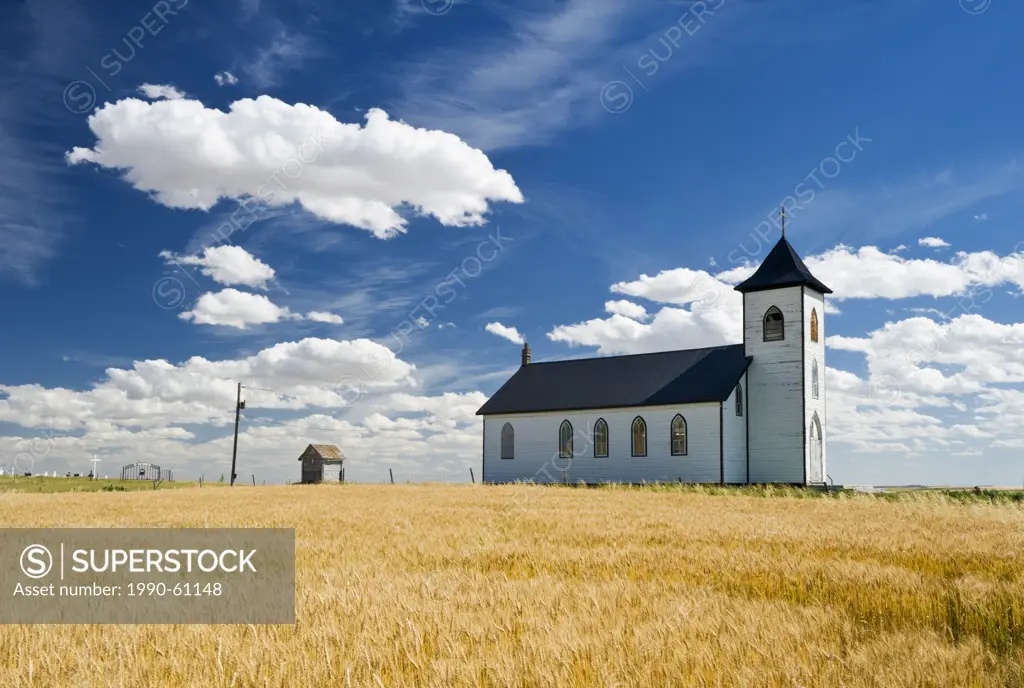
x=814 y=324
x=814 y=378
x=774 y=325
x=739 y=400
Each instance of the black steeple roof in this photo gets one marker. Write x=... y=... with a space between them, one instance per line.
x=781 y=268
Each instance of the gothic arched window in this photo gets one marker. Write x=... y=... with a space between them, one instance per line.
x=814 y=324
x=678 y=439
x=600 y=438
x=774 y=325
x=508 y=441
x=639 y=437
x=565 y=440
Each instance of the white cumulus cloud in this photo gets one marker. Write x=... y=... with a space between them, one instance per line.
x=187 y=155
x=355 y=394
x=933 y=242
x=703 y=312
x=509 y=333
x=225 y=78
x=227 y=265
x=701 y=309
x=626 y=308
x=233 y=308
x=307 y=373
x=868 y=273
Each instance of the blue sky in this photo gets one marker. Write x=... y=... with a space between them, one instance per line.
x=595 y=155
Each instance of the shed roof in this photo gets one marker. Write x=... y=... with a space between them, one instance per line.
x=324 y=451
x=782 y=267
x=668 y=377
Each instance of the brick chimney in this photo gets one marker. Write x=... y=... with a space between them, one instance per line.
x=526 y=354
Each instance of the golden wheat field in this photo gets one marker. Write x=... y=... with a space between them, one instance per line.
x=437 y=585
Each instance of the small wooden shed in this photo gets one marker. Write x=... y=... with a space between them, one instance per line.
x=322 y=463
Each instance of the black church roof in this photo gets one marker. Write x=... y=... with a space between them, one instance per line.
x=664 y=378
x=781 y=268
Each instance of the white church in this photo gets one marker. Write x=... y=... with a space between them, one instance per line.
x=743 y=413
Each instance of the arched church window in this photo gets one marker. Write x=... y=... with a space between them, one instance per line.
x=600 y=438
x=814 y=324
x=639 y=437
x=774 y=325
x=565 y=440
x=814 y=378
x=508 y=441
x=678 y=436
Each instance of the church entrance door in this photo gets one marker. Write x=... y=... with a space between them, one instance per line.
x=816 y=471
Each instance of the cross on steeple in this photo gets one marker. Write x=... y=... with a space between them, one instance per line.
x=783 y=213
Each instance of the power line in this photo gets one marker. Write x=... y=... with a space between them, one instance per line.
x=260 y=389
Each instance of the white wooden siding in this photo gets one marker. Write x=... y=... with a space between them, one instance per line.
x=536 y=449
x=815 y=350
x=735 y=439
x=775 y=382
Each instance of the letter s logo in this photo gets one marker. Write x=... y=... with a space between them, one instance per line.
x=36 y=561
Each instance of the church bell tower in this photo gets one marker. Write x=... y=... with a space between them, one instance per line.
x=784 y=332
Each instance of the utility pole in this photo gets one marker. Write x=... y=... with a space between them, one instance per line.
x=239 y=405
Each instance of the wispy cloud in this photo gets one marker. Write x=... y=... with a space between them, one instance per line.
x=405 y=12
x=525 y=86
x=249 y=8
x=324 y=317
x=287 y=50
x=47 y=40
x=225 y=77
x=546 y=72
x=159 y=92
x=893 y=208
x=29 y=228
x=501 y=312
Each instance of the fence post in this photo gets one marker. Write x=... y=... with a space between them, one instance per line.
x=254 y=480
x=392 y=474
x=471 y=477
